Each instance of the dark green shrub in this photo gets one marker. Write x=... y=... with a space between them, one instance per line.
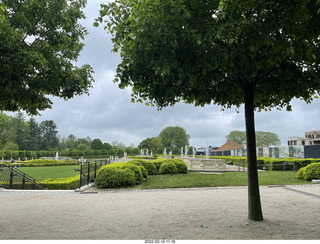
x=136 y=162
x=108 y=177
x=168 y=168
x=150 y=167
x=182 y=167
x=127 y=177
x=158 y=165
x=118 y=175
x=144 y=171
x=310 y=172
x=136 y=170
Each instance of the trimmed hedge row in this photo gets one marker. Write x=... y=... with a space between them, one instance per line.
x=270 y=163
x=310 y=172
x=70 y=183
x=132 y=173
x=42 y=162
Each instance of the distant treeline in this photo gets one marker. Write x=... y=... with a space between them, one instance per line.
x=23 y=154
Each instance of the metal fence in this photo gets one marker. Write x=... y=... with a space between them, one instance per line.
x=12 y=178
x=88 y=171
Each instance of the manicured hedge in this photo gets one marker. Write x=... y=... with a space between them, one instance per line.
x=270 y=163
x=310 y=172
x=70 y=183
x=42 y=162
x=168 y=168
x=118 y=175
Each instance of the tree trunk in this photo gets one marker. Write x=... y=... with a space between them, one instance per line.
x=254 y=204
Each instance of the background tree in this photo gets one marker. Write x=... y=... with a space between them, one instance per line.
x=85 y=141
x=5 y=125
x=82 y=147
x=267 y=138
x=174 y=136
x=262 y=138
x=10 y=146
x=40 y=40
x=71 y=142
x=258 y=53
x=237 y=136
x=96 y=144
x=20 y=130
x=49 y=135
x=34 y=135
x=107 y=146
x=153 y=144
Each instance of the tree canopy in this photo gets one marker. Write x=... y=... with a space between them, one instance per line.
x=39 y=42
x=263 y=138
x=237 y=136
x=259 y=53
x=174 y=136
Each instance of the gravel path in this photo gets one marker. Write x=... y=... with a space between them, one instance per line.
x=290 y=212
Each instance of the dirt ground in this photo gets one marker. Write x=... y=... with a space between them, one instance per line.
x=290 y=213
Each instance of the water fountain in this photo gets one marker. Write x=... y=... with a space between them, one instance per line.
x=57 y=156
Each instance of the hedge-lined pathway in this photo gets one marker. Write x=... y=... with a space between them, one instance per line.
x=192 y=214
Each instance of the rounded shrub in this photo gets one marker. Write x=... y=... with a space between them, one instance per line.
x=136 y=162
x=310 y=172
x=182 y=167
x=144 y=171
x=127 y=177
x=150 y=167
x=168 y=168
x=136 y=170
x=108 y=177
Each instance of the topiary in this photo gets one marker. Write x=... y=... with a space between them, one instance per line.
x=137 y=162
x=182 y=167
x=144 y=171
x=127 y=177
x=108 y=177
x=150 y=167
x=310 y=172
x=168 y=168
x=136 y=170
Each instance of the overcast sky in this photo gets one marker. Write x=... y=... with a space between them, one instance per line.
x=108 y=114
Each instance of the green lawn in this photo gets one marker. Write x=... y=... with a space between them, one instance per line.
x=54 y=172
x=195 y=179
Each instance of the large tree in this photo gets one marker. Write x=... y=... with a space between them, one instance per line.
x=49 y=135
x=237 y=136
x=267 y=138
x=174 y=136
x=39 y=42
x=263 y=138
x=153 y=143
x=34 y=135
x=259 y=53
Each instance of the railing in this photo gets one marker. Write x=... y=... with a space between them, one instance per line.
x=13 y=178
x=88 y=171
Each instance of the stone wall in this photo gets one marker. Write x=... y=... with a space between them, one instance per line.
x=205 y=164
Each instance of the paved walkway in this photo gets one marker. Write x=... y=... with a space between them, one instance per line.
x=290 y=212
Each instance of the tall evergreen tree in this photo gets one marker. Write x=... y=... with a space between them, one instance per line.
x=49 y=135
x=34 y=136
